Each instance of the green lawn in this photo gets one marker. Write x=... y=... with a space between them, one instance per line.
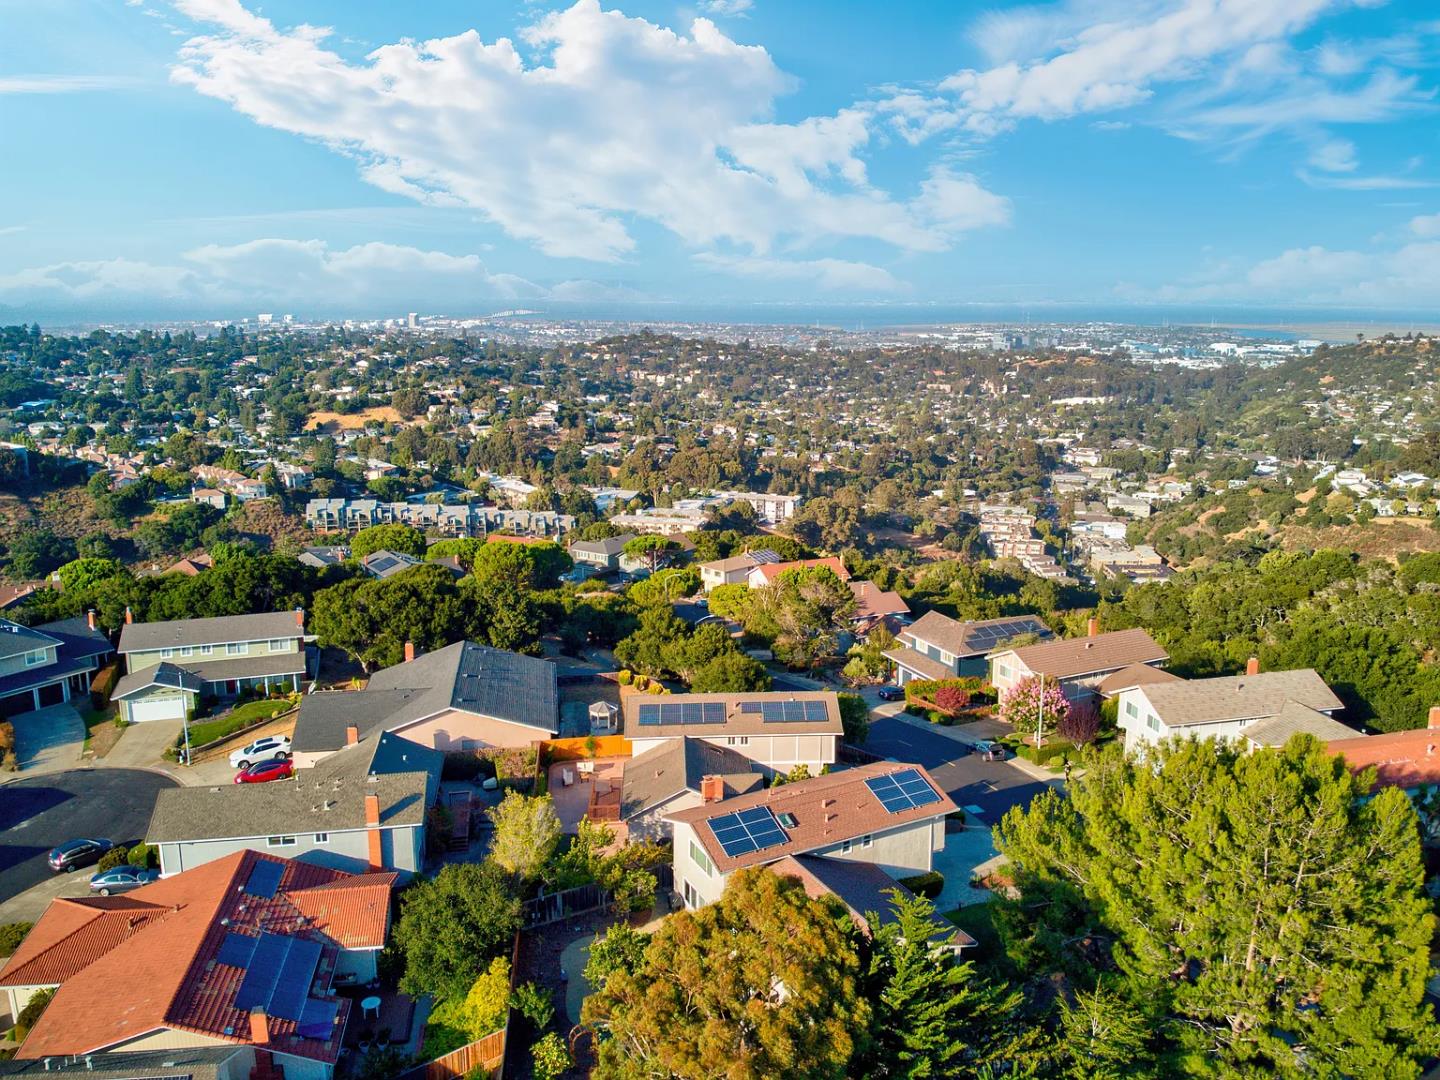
x=977 y=920
x=242 y=716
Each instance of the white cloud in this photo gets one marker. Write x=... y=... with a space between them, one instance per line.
x=1426 y=226
x=604 y=120
x=728 y=7
x=823 y=275
x=294 y=273
x=62 y=84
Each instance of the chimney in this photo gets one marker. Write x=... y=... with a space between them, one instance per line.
x=712 y=789
x=372 y=829
x=300 y=617
x=1434 y=721
x=259 y=1026
x=1252 y=666
x=129 y=617
x=90 y=618
x=409 y=651
x=1093 y=627
x=352 y=734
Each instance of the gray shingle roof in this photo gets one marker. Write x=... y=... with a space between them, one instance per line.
x=198 y=1063
x=329 y=797
x=678 y=765
x=1238 y=697
x=974 y=638
x=270 y=625
x=324 y=716
x=16 y=639
x=479 y=679
x=1074 y=657
x=1296 y=719
x=609 y=547
x=162 y=674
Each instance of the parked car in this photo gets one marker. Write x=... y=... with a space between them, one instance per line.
x=270 y=748
x=120 y=879
x=993 y=751
x=279 y=769
x=73 y=854
x=891 y=693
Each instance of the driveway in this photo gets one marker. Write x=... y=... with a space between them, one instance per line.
x=141 y=745
x=50 y=739
x=37 y=813
x=992 y=787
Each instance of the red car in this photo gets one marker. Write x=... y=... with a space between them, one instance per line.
x=264 y=771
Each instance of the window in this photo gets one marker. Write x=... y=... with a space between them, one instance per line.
x=1152 y=722
x=234 y=648
x=1002 y=671
x=35 y=658
x=166 y=654
x=278 y=645
x=187 y=650
x=867 y=840
x=322 y=838
x=691 y=899
x=280 y=841
x=1131 y=709
x=206 y=650
x=700 y=859
x=845 y=847
x=744 y=740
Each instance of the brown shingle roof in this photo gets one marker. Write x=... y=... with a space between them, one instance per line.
x=1074 y=657
x=1132 y=675
x=736 y=721
x=827 y=810
x=871 y=603
x=1296 y=719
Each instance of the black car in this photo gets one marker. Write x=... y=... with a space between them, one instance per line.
x=74 y=854
x=891 y=693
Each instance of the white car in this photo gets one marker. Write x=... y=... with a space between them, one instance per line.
x=270 y=748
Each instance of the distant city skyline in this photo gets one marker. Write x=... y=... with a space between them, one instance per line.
x=218 y=158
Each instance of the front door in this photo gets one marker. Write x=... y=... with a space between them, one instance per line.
x=232 y=687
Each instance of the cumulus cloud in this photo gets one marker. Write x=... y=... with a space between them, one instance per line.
x=1402 y=275
x=292 y=273
x=591 y=122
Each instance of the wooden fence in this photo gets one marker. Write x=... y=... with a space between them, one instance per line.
x=487 y=1053
x=553 y=750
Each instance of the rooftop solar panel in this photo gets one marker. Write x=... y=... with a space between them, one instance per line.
x=317 y=1020
x=263 y=973
x=264 y=878
x=903 y=790
x=236 y=949
x=714 y=712
x=648 y=714
x=297 y=971
x=751 y=706
x=794 y=712
x=748 y=830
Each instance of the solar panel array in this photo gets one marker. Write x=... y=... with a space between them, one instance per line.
x=988 y=635
x=236 y=950
x=903 y=790
x=317 y=1019
x=279 y=975
x=264 y=878
x=763 y=555
x=681 y=712
x=747 y=830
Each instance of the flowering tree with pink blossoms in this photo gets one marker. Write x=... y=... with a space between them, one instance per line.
x=1034 y=707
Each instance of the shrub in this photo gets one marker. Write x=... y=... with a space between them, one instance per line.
x=624 y=677
x=116 y=856
x=1081 y=724
x=927 y=885
x=31 y=1012
x=11 y=934
x=641 y=682
x=550 y=1057
x=144 y=855
x=535 y=1003
x=951 y=698
x=8 y=761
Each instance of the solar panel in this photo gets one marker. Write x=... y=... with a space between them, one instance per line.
x=793 y=712
x=751 y=706
x=317 y=1019
x=692 y=713
x=263 y=973
x=714 y=712
x=264 y=878
x=236 y=950
x=747 y=830
x=649 y=714
x=903 y=790
x=296 y=974
x=816 y=710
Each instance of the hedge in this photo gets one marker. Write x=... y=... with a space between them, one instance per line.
x=927 y=885
x=11 y=934
x=981 y=692
x=1053 y=750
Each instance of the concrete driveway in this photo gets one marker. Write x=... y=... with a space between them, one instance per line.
x=37 y=813
x=141 y=745
x=49 y=739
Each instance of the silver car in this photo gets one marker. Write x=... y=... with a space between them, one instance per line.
x=270 y=748
x=120 y=879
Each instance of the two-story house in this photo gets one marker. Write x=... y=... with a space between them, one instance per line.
x=171 y=665
x=1263 y=708
x=604 y=556
x=735 y=570
x=889 y=814
x=776 y=730
x=677 y=775
x=49 y=664
x=1078 y=665
x=936 y=646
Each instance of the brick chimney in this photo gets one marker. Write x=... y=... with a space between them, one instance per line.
x=712 y=789
x=1252 y=666
x=1434 y=721
x=259 y=1026
x=90 y=618
x=129 y=616
x=352 y=734
x=409 y=651
x=372 y=827
x=1093 y=627
x=300 y=617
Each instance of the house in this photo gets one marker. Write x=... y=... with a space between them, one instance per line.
x=603 y=556
x=936 y=646
x=222 y=1062
x=49 y=664
x=362 y=807
x=1263 y=708
x=384 y=564
x=1409 y=760
x=735 y=569
x=321 y=557
x=775 y=730
x=191 y=565
x=874 y=606
x=240 y=954
x=209 y=497
x=294 y=477
x=888 y=814
x=462 y=697
x=676 y=775
x=246 y=489
x=219 y=657
x=1079 y=665
x=767 y=573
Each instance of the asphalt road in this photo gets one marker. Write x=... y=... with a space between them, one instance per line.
x=38 y=814
x=994 y=786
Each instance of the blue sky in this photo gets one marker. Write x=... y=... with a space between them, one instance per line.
x=222 y=156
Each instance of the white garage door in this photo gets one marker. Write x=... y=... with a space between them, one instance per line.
x=172 y=708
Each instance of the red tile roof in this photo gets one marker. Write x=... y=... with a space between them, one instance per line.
x=72 y=933
x=771 y=571
x=1403 y=759
x=162 y=976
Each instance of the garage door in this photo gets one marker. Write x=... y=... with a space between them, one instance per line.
x=172 y=708
x=17 y=703
x=53 y=694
